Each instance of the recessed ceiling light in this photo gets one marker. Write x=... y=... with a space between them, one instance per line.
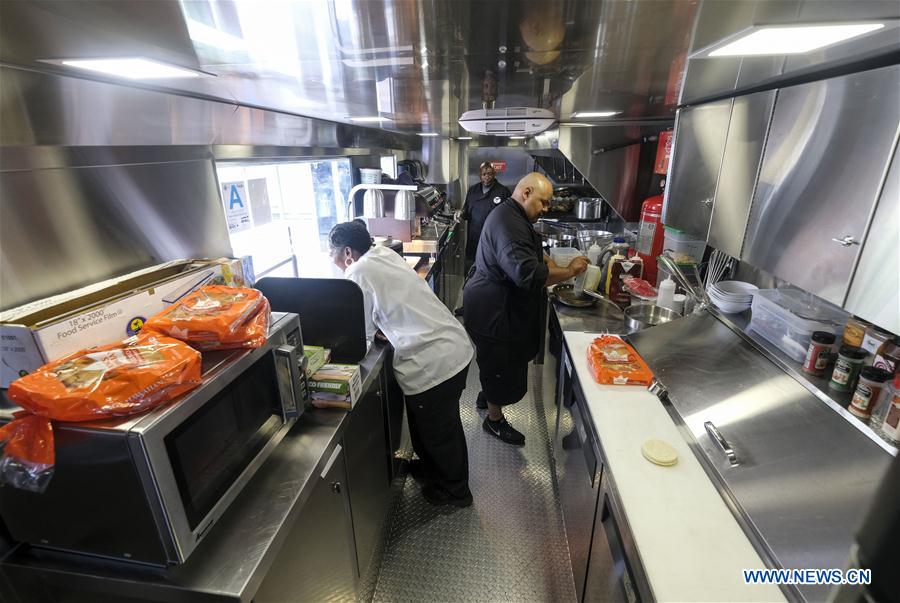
x=463 y=138
x=585 y=114
x=517 y=138
x=130 y=68
x=787 y=39
x=369 y=119
x=428 y=133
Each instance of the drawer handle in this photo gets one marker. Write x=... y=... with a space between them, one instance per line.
x=716 y=435
x=846 y=241
x=708 y=201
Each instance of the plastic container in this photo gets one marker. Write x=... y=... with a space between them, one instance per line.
x=370 y=176
x=678 y=302
x=563 y=256
x=666 y=294
x=681 y=243
x=788 y=317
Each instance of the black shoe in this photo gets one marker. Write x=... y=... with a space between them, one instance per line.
x=419 y=472
x=439 y=497
x=458 y=311
x=481 y=401
x=504 y=431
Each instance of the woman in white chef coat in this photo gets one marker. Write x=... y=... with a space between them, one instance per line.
x=431 y=357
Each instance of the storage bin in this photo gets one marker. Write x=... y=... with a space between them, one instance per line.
x=788 y=317
x=679 y=242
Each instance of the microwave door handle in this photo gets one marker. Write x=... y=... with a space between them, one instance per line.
x=291 y=400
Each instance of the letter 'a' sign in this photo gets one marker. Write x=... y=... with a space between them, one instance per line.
x=237 y=206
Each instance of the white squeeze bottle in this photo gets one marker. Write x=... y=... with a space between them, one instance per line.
x=666 y=296
x=593 y=253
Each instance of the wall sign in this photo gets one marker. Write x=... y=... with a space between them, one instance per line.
x=237 y=208
x=499 y=166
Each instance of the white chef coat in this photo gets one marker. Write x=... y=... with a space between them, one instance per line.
x=430 y=345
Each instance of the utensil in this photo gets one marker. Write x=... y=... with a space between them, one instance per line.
x=566 y=295
x=589 y=237
x=647 y=315
x=589 y=208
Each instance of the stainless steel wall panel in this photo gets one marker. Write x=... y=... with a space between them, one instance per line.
x=699 y=146
x=52 y=110
x=823 y=166
x=875 y=289
x=750 y=116
x=704 y=78
x=64 y=228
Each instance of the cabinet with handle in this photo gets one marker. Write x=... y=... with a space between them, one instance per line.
x=700 y=134
x=317 y=561
x=824 y=165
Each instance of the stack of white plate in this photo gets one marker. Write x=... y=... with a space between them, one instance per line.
x=731 y=296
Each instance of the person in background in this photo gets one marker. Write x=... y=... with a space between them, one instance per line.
x=481 y=198
x=431 y=357
x=502 y=300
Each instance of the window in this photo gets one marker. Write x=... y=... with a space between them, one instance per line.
x=280 y=214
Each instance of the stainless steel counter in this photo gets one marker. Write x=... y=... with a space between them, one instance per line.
x=232 y=561
x=597 y=319
x=803 y=476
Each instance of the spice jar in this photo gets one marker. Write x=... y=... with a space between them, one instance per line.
x=855 y=331
x=873 y=384
x=846 y=369
x=819 y=354
x=880 y=410
x=891 y=426
x=874 y=339
x=888 y=355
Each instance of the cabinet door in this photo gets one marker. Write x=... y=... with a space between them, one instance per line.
x=317 y=561
x=824 y=164
x=367 y=474
x=699 y=147
x=578 y=477
x=747 y=128
x=875 y=290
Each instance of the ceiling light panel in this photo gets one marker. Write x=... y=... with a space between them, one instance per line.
x=793 y=39
x=588 y=114
x=130 y=68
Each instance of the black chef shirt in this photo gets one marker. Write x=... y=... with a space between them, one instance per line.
x=502 y=299
x=476 y=209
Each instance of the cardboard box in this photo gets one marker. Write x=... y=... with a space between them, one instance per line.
x=99 y=314
x=337 y=382
x=316 y=357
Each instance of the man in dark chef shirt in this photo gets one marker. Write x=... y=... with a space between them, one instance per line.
x=502 y=299
x=481 y=199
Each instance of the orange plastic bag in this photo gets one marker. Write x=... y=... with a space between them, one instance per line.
x=216 y=317
x=124 y=378
x=614 y=362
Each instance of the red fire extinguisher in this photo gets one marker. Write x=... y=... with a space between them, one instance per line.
x=650 y=235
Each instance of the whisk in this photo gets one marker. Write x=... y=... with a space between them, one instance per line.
x=719 y=263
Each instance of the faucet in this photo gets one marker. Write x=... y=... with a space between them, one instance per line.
x=694 y=289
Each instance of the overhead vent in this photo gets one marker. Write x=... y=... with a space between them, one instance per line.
x=512 y=121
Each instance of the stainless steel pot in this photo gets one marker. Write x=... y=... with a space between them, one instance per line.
x=648 y=315
x=589 y=208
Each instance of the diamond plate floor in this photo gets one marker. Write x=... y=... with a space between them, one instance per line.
x=510 y=545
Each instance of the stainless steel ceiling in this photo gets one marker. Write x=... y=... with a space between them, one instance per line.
x=417 y=63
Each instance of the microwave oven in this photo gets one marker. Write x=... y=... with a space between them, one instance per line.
x=148 y=488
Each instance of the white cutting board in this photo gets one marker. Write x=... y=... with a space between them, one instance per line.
x=690 y=544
